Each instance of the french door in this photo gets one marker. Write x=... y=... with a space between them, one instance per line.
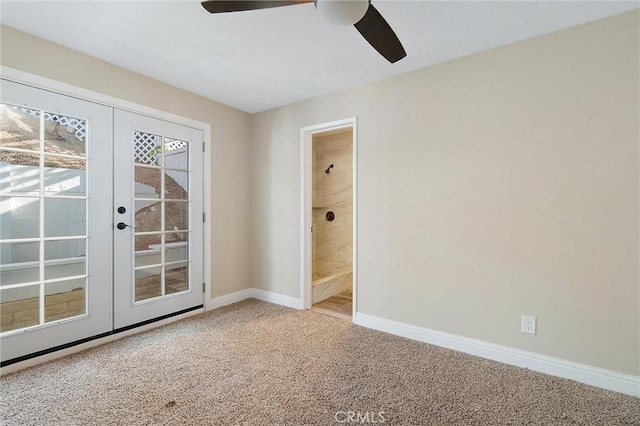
x=158 y=218
x=55 y=219
x=72 y=173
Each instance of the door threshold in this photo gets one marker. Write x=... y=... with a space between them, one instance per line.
x=40 y=357
x=330 y=313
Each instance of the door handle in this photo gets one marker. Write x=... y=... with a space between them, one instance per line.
x=123 y=225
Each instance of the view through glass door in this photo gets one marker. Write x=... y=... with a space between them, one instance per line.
x=159 y=218
x=55 y=219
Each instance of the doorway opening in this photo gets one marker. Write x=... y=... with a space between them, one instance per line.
x=329 y=209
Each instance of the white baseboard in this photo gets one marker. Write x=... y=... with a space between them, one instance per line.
x=256 y=293
x=595 y=376
x=278 y=299
x=227 y=299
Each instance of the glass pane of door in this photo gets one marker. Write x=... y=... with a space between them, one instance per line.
x=36 y=207
x=160 y=181
x=159 y=255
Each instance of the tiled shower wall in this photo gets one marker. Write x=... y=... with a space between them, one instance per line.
x=333 y=191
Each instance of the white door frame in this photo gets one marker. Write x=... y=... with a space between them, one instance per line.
x=29 y=79
x=306 y=190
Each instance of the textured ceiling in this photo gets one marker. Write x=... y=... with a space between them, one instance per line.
x=259 y=60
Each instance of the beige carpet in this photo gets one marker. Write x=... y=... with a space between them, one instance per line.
x=255 y=363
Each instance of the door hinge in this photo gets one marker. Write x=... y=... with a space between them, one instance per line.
x=203 y=145
x=204 y=216
x=312 y=229
x=203 y=288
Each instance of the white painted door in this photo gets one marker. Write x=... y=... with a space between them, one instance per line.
x=56 y=220
x=158 y=209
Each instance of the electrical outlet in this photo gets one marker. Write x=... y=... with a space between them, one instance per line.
x=528 y=324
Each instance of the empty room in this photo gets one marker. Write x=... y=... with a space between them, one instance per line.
x=319 y=212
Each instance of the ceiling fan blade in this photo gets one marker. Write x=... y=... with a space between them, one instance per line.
x=375 y=29
x=220 y=6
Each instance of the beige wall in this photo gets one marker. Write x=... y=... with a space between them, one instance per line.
x=500 y=184
x=229 y=133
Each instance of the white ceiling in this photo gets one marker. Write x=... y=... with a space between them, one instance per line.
x=259 y=60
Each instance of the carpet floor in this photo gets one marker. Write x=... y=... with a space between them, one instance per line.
x=255 y=363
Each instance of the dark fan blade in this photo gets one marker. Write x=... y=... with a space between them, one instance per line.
x=379 y=34
x=219 y=6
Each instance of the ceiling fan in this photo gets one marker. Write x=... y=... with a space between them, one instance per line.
x=359 y=13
